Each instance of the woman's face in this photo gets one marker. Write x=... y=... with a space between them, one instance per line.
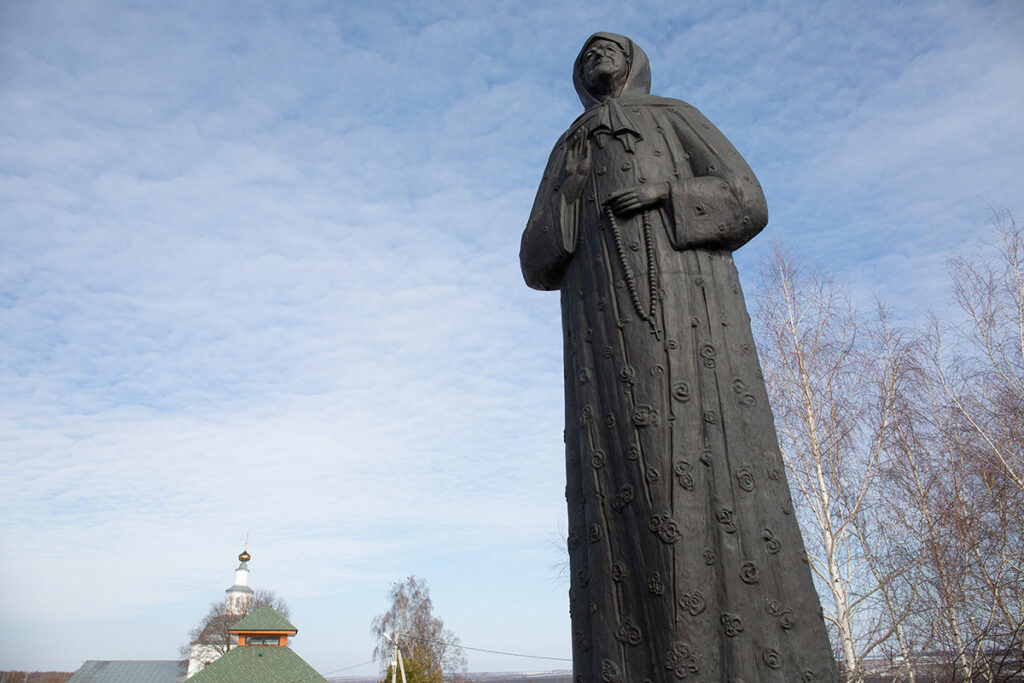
x=604 y=67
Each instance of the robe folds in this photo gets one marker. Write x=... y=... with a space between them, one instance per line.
x=686 y=559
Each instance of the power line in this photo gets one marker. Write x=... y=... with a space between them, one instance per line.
x=337 y=671
x=480 y=649
x=458 y=645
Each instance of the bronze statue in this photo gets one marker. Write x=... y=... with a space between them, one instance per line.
x=686 y=560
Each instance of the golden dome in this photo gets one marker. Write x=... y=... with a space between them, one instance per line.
x=245 y=556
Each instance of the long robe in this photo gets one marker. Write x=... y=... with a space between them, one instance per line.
x=686 y=559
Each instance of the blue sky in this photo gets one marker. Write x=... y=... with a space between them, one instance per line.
x=258 y=272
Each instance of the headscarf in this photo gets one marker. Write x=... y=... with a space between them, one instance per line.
x=609 y=118
x=638 y=80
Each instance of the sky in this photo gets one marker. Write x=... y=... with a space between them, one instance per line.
x=259 y=275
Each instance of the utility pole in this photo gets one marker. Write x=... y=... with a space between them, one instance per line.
x=396 y=658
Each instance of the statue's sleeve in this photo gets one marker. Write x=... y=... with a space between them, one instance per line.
x=550 y=236
x=722 y=206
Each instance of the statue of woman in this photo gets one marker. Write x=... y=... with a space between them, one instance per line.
x=685 y=557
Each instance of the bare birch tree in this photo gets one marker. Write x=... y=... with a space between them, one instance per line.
x=430 y=650
x=985 y=380
x=906 y=456
x=832 y=386
x=958 y=463
x=960 y=525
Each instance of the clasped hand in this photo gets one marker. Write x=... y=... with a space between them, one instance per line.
x=637 y=197
x=578 y=164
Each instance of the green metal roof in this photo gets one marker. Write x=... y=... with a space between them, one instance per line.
x=251 y=663
x=266 y=618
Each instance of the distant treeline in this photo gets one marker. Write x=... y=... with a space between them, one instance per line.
x=35 y=676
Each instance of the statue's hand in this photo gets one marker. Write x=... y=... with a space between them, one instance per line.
x=578 y=162
x=637 y=198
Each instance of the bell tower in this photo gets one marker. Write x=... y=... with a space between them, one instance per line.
x=239 y=596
